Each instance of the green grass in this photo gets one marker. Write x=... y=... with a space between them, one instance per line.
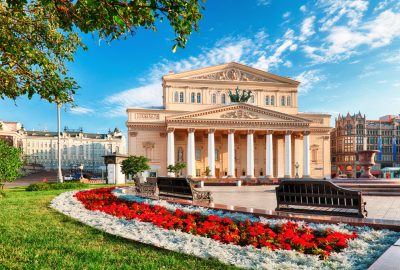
x=34 y=236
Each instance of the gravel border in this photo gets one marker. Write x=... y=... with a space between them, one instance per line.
x=361 y=252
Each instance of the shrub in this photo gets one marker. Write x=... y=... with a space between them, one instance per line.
x=55 y=186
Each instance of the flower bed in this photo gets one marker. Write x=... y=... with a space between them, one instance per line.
x=287 y=236
x=360 y=253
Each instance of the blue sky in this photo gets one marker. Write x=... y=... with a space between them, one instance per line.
x=346 y=54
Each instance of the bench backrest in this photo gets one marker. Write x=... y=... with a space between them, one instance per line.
x=317 y=193
x=178 y=187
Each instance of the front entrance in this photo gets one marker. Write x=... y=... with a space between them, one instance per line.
x=217 y=173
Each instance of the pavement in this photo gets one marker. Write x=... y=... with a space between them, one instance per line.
x=263 y=197
x=32 y=178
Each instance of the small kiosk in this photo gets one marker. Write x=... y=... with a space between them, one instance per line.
x=113 y=165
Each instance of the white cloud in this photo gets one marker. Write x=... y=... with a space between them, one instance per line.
x=308 y=79
x=307 y=28
x=392 y=57
x=344 y=41
x=263 y=2
x=303 y=8
x=81 y=110
x=147 y=96
x=286 y=14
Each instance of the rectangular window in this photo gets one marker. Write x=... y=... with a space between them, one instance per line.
x=198 y=154
x=266 y=100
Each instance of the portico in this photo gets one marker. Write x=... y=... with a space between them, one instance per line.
x=218 y=138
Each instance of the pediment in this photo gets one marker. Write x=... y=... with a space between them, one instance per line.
x=240 y=111
x=231 y=72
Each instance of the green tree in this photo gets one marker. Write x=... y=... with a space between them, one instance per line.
x=10 y=163
x=38 y=37
x=177 y=168
x=134 y=165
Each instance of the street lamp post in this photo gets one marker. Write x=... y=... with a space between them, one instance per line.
x=81 y=168
x=59 y=176
x=297 y=169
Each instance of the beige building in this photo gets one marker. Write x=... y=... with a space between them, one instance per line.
x=12 y=133
x=198 y=125
x=77 y=147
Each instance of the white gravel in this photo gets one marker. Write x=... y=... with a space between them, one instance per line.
x=361 y=252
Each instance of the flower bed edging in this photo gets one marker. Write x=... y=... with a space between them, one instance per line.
x=247 y=257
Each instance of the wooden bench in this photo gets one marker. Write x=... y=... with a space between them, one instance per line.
x=182 y=188
x=319 y=197
x=148 y=188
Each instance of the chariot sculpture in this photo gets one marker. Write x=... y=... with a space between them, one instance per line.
x=237 y=97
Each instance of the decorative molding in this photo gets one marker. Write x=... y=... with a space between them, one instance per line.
x=306 y=133
x=239 y=114
x=148 y=116
x=288 y=132
x=270 y=132
x=233 y=74
x=211 y=130
x=133 y=134
x=148 y=144
x=163 y=134
x=250 y=131
x=191 y=130
x=230 y=131
x=170 y=129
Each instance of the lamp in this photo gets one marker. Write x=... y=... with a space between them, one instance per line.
x=81 y=168
x=297 y=169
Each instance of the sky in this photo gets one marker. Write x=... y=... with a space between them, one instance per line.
x=345 y=53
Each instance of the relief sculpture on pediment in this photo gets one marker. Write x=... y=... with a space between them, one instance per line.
x=240 y=114
x=232 y=74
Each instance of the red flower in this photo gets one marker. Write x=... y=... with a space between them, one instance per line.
x=288 y=236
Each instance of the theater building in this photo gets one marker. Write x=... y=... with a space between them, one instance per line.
x=265 y=137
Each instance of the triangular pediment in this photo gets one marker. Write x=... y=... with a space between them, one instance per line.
x=240 y=111
x=231 y=72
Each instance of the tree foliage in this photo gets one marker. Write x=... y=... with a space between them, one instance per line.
x=177 y=168
x=38 y=37
x=10 y=163
x=134 y=165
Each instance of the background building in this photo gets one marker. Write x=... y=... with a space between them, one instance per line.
x=77 y=147
x=200 y=126
x=353 y=133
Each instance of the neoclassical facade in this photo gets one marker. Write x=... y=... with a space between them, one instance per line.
x=198 y=125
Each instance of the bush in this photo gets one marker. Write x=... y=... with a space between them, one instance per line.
x=54 y=186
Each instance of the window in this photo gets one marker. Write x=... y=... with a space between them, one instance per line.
x=192 y=97
x=282 y=101
x=349 y=128
x=198 y=98
x=198 y=154
x=223 y=99
x=214 y=98
x=288 y=101
x=181 y=97
x=176 y=97
x=266 y=100
x=272 y=100
x=216 y=154
x=117 y=149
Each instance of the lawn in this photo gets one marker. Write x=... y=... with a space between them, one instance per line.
x=33 y=236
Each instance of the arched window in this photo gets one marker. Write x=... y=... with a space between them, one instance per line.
x=223 y=99
x=288 y=101
x=176 y=97
x=214 y=98
x=252 y=99
x=181 y=97
x=272 y=100
x=266 y=100
x=282 y=101
x=198 y=98
x=349 y=129
x=192 y=98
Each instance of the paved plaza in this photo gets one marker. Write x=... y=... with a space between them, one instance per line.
x=263 y=197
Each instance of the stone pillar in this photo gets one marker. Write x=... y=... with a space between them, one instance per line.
x=170 y=149
x=269 y=166
x=306 y=155
x=191 y=159
x=231 y=153
x=250 y=153
x=211 y=152
x=288 y=154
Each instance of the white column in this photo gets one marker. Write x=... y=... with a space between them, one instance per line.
x=191 y=159
x=269 y=156
x=231 y=153
x=211 y=152
x=288 y=154
x=170 y=149
x=250 y=154
x=306 y=155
